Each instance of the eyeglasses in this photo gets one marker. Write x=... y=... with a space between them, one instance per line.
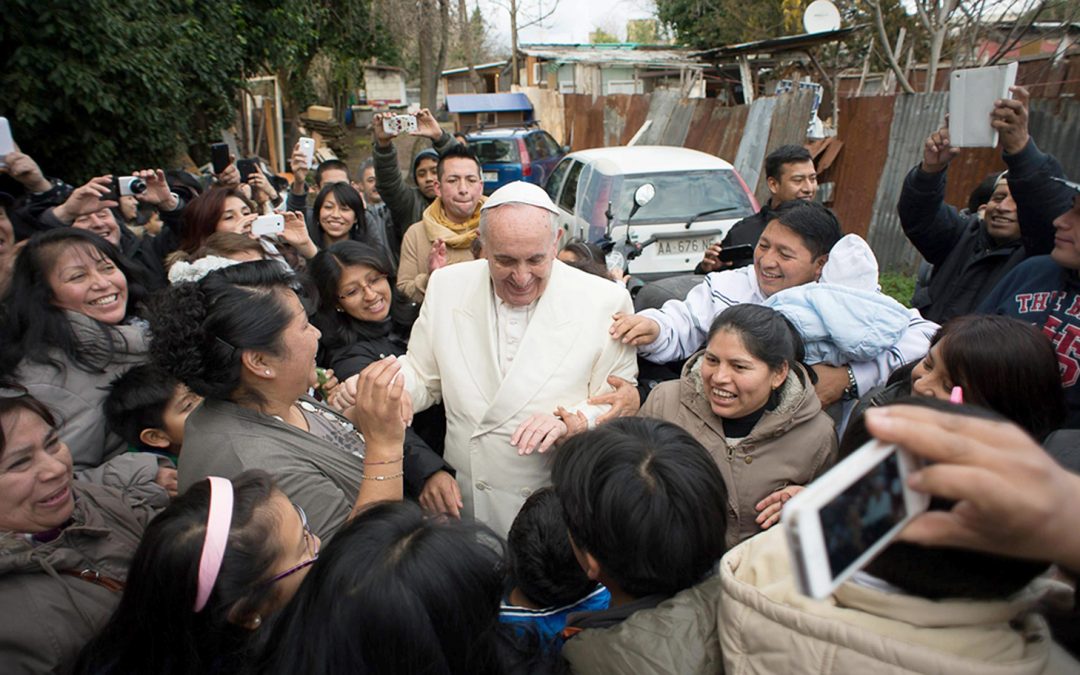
x=370 y=285
x=308 y=538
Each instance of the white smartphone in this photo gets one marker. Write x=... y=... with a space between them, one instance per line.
x=399 y=124
x=846 y=517
x=7 y=143
x=307 y=146
x=264 y=226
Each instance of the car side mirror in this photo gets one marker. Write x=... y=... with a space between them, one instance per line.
x=566 y=149
x=642 y=196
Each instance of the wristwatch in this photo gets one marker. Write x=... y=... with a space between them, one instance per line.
x=852 y=391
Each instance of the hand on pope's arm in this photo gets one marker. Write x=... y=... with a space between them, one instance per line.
x=575 y=422
x=1011 y=497
x=1010 y=118
x=442 y=495
x=634 y=329
x=538 y=433
x=625 y=400
x=86 y=199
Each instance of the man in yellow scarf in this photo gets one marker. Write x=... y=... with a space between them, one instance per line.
x=445 y=234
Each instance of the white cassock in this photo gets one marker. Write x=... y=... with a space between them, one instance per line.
x=458 y=353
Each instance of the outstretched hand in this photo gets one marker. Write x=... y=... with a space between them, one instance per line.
x=634 y=329
x=1010 y=118
x=938 y=150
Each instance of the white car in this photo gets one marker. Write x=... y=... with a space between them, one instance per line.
x=697 y=197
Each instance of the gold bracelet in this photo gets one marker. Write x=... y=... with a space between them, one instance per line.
x=392 y=476
x=389 y=461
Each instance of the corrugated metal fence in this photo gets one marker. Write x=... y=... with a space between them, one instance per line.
x=882 y=140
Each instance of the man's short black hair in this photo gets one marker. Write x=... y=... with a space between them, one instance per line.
x=456 y=151
x=646 y=500
x=137 y=401
x=937 y=572
x=331 y=165
x=785 y=154
x=815 y=224
x=541 y=561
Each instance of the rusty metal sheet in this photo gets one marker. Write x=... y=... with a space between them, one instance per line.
x=636 y=115
x=661 y=105
x=731 y=123
x=914 y=118
x=1055 y=126
x=751 y=154
x=678 y=122
x=701 y=135
x=864 y=125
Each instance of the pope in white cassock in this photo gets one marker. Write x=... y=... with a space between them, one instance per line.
x=503 y=342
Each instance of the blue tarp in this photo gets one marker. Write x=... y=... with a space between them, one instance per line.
x=478 y=103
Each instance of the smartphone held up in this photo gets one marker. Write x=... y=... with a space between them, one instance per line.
x=850 y=514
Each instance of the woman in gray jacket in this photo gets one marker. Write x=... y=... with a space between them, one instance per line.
x=751 y=403
x=65 y=545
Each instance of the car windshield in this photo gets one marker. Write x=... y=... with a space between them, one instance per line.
x=682 y=195
x=491 y=150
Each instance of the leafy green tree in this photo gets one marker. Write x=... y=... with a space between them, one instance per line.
x=713 y=23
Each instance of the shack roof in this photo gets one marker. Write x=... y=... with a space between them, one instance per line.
x=781 y=44
x=629 y=54
x=477 y=103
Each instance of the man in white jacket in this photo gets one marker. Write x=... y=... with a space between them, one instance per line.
x=792 y=251
x=504 y=343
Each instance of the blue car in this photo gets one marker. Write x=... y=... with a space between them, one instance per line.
x=506 y=155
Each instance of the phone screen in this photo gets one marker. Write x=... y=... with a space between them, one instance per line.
x=7 y=143
x=862 y=514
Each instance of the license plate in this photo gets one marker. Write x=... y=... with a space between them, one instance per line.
x=491 y=176
x=682 y=246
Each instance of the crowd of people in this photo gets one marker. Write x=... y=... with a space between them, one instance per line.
x=418 y=431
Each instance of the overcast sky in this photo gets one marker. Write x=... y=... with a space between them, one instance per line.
x=572 y=21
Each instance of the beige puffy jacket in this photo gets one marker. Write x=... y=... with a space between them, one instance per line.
x=766 y=626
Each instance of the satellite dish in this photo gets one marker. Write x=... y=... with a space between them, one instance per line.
x=821 y=16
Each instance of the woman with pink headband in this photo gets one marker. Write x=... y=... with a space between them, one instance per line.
x=211 y=570
x=65 y=545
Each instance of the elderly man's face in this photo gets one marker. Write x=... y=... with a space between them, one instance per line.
x=102 y=223
x=520 y=249
x=371 y=193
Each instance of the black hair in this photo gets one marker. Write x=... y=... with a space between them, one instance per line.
x=396 y=592
x=589 y=258
x=785 y=154
x=14 y=397
x=155 y=628
x=982 y=192
x=345 y=195
x=646 y=500
x=766 y=334
x=199 y=330
x=31 y=326
x=816 y=225
x=937 y=572
x=325 y=269
x=330 y=165
x=456 y=151
x=541 y=561
x=137 y=401
x=1025 y=387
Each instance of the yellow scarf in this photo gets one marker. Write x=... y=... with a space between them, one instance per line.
x=456 y=235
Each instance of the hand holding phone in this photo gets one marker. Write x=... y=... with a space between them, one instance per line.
x=265 y=226
x=736 y=253
x=399 y=124
x=7 y=143
x=219 y=156
x=307 y=147
x=850 y=514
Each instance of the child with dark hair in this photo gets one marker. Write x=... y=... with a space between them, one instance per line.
x=147 y=408
x=647 y=513
x=546 y=582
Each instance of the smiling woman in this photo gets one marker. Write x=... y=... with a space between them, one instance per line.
x=751 y=402
x=65 y=545
x=69 y=330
